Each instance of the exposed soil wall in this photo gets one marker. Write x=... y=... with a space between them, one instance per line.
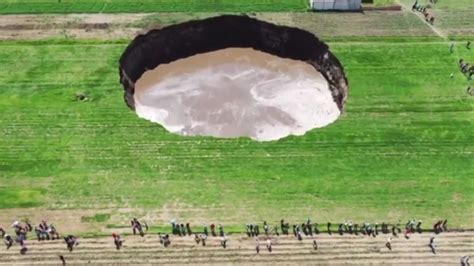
x=194 y=37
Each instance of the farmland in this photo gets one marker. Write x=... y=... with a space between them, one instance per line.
x=403 y=148
x=121 y=6
x=406 y=135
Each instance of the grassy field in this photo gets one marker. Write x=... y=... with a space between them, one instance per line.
x=403 y=149
x=123 y=6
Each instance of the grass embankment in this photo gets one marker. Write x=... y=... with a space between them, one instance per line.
x=403 y=148
x=122 y=6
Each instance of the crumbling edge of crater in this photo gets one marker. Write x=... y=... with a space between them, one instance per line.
x=162 y=46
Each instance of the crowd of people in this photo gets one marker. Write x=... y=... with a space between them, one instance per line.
x=466 y=68
x=43 y=231
x=423 y=9
x=305 y=230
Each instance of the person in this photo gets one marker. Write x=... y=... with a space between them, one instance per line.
x=265 y=227
x=257 y=245
x=205 y=230
x=2 y=232
x=40 y=234
x=305 y=229
x=28 y=225
x=247 y=230
x=213 y=230
x=408 y=229
x=329 y=228
x=468 y=45
x=376 y=229
x=252 y=230
x=21 y=235
x=315 y=244
x=71 y=242
x=221 y=230
x=465 y=261
x=431 y=20
x=445 y=225
x=23 y=248
x=160 y=236
x=350 y=227
x=8 y=240
x=164 y=240
x=470 y=91
x=53 y=232
x=283 y=228
x=385 y=228
x=44 y=226
x=117 y=241
x=275 y=230
x=183 y=230
x=299 y=235
x=63 y=260
x=432 y=245
x=203 y=239
x=224 y=241
x=394 y=230
x=197 y=239
x=269 y=245
x=437 y=227
x=340 y=229
x=137 y=227
x=389 y=243
x=418 y=227
x=316 y=228
x=451 y=48
x=188 y=229
x=309 y=226
x=174 y=227
x=463 y=66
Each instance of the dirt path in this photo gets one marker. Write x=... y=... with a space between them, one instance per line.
x=83 y=26
x=420 y=16
x=126 y=26
x=335 y=249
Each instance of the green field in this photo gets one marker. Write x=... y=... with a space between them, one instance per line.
x=403 y=148
x=123 y=6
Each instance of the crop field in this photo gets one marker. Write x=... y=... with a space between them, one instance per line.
x=403 y=148
x=106 y=6
x=406 y=137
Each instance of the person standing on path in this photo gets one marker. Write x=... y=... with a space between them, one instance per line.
x=432 y=245
x=257 y=245
x=389 y=243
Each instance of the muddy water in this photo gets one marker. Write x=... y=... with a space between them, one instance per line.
x=236 y=92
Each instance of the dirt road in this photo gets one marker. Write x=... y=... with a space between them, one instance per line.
x=335 y=249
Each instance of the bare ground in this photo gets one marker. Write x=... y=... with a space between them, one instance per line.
x=334 y=249
x=126 y=26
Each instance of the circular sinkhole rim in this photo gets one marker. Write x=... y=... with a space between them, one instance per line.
x=166 y=45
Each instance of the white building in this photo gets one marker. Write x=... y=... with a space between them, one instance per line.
x=335 y=4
